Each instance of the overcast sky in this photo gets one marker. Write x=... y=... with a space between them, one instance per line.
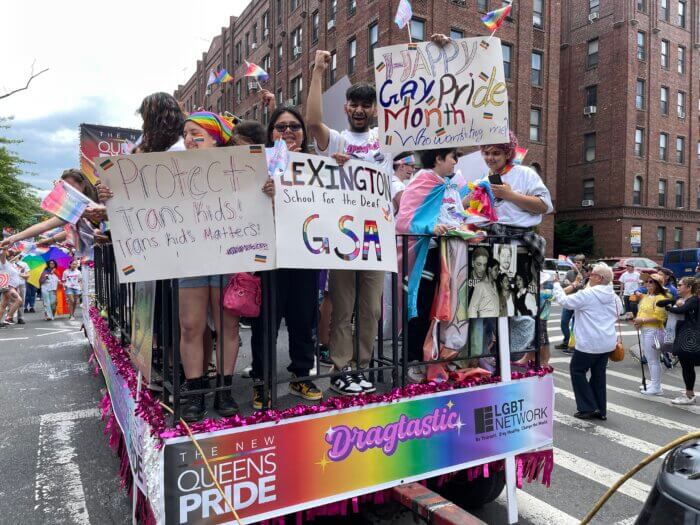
x=103 y=59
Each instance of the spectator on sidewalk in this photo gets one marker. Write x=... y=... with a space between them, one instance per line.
x=630 y=281
x=572 y=277
x=595 y=310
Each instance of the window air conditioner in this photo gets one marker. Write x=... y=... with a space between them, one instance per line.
x=589 y=110
x=331 y=24
x=296 y=51
x=587 y=203
x=593 y=16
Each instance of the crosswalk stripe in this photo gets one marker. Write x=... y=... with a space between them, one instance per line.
x=537 y=511
x=628 y=412
x=638 y=380
x=616 y=437
x=557 y=338
x=632 y=488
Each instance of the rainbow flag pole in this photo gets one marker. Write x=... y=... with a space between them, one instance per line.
x=495 y=19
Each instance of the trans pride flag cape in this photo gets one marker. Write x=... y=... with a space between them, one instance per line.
x=418 y=214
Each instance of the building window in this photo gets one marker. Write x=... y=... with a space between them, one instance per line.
x=639 y=142
x=293 y=4
x=639 y=97
x=456 y=34
x=660 y=239
x=663 y=10
x=247 y=45
x=535 y=124
x=280 y=57
x=664 y=100
x=593 y=6
x=677 y=238
x=536 y=69
x=279 y=97
x=237 y=54
x=352 y=55
x=679 y=194
x=680 y=103
x=332 y=10
x=592 y=95
x=637 y=191
x=664 y=53
x=663 y=146
x=239 y=91
x=482 y=5
x=697 y=198
x=589 y=147
x=680 y=150
x=637 y=250
x=315 y=21
x=537 y=12
x=255 y=34
x=255 y=113
x=279 y=9
x=588 y=190
x=592 y=56
x=417 y=29
x=373 y=39
x=295 y=89
x=352 y=7
x=697 y=239
x=507 y=52
x=266 y=63
x=296 y=43
x=642 y=6
x=265 y=115
x=641 y=45
x=265 y=24
x=681 y=13
x=662 y=193
x=333 y=68
x=681 y=60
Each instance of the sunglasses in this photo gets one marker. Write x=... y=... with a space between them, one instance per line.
x=281 y=128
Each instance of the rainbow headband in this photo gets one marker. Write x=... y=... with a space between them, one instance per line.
x=217 y=126
x=406 y=160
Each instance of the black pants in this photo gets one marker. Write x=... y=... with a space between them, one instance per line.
x=688 y=363
x=589 y=393
x=297 y=303
x=419 y=326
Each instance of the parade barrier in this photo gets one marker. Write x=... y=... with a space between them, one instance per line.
x=351 y=450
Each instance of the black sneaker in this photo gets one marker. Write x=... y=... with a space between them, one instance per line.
x=26 y=310
x=21 y=321
x=324 y=355
x=365 y=384
x=345 y=383
x=666 y=358
x=568 y=350
x=258 y=398
x=305 y=390
x=561 y=346
x=195 y=408
x=32 y=311
x=224 y=403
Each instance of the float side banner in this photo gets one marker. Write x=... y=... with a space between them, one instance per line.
x=432 y=97
x=348 y=453
x=103 y=141
x=189 y=213
x=141 y=348
x=334 y=217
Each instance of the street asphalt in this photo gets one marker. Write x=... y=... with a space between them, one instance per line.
x=57 y=467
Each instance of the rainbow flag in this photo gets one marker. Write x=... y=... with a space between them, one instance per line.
x=257 y=72
x=494 y=19
x=404 y=13
x=260 y=258
x=519 y=155
x=223 y=76
x=65 y=202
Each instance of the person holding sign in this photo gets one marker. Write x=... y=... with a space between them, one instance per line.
x=296 y=289
x=359 y=142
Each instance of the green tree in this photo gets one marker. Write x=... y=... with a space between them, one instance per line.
x=19 y=207
x=571 y=237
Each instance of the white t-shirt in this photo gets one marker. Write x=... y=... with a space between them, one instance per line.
x=631 y=282
x=50 y=284
x=525 y=181
x=178 y=146
x=363 y=146
x=72 y=279
x=10 y=269
x=397 y=186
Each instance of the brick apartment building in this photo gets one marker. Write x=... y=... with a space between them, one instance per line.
x=282 y=37
x=629 y=148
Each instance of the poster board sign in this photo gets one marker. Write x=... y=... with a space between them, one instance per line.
x=333 y=101
x=103 y=141
x=189 y=213
x=432 y=97
x=343 y=454
x=636 y=236
x=141 y=348
x=333 y=217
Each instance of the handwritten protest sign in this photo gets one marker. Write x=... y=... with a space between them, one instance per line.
x=334 y=217
x=184 y=214
x=432 y=97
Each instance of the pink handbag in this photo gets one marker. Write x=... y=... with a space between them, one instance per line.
x=243 y=295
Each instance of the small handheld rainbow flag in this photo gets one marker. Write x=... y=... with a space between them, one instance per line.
x=494 y=19
x=223 y=76
x=256 y=71
x=519 y=155
x=65 y=202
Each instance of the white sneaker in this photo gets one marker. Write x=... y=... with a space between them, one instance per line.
x=366 y=386
x=651 y=392
x=683 y=400
x=416 y=373
x=345 y=383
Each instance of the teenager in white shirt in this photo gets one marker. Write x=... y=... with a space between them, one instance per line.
x=630 y=281
x=72 y=285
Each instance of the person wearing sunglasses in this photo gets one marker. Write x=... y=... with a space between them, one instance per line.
x=296 y=289
x=651 y=318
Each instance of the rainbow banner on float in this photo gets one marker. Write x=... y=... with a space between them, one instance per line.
x=274 y=469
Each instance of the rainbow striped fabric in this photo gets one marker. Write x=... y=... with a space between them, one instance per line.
x=256 y=71
x=519 y=155
x=494 y=19
x=215 y=125
x=65 y=202
x=223 y=76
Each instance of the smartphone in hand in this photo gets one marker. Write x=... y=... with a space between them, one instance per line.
x=495 y=178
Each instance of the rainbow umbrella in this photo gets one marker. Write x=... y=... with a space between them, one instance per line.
x=36 y=259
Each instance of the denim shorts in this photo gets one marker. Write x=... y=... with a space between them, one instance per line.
x=212 y=281
x=72 y=291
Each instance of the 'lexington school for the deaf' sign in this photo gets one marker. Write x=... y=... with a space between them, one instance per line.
x=430 y=96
